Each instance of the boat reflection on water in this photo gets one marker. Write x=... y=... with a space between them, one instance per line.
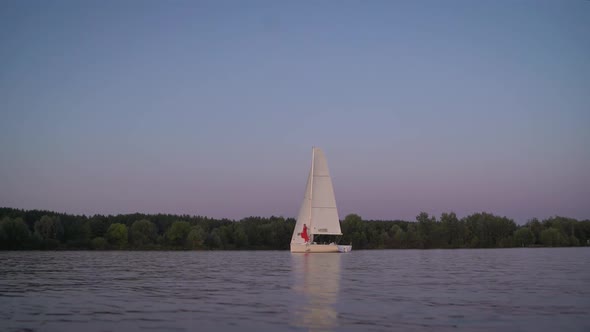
x=317 y=279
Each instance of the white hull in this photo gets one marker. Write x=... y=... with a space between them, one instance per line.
x=347 y=248
x=297 y=247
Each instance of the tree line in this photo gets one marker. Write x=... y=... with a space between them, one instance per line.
x=46 y=230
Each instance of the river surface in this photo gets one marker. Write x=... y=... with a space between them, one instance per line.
x=390 y=290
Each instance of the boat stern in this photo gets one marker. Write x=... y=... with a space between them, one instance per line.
x=347 y=248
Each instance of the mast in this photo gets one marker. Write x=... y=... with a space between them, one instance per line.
x=311 y=193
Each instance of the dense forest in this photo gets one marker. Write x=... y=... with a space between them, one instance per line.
x=34 y=229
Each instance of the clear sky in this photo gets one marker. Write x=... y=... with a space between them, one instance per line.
x=211 y=108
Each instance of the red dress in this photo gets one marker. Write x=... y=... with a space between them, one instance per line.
x=304 y=234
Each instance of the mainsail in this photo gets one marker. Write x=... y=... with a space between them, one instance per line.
x=318 y=211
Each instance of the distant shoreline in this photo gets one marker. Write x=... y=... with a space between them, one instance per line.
x=47 y=230
x=261 y=250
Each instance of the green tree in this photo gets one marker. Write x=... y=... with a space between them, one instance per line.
x=479 y=230
x=214 y=241
x=573 y=241
x=524 y=237
x=49 y=228
x=453 y=230
x=117 y=235
x=99 y=226
x=14 y=233
x=196 y=237
x=489 y=231
x=474 y=243
x=352 y=218
x=552 y=237
x=353 y=230
x=3 y=236
x=536 y=227
x=178 y=233
x=397 y=237
x=99 y=243
x=76 y=233
x=143 y=233
x=240 y=237
x=426 y=231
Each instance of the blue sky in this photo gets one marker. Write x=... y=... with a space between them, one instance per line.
x=212 y=108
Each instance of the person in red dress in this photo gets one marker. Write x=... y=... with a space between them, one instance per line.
x=304 y=233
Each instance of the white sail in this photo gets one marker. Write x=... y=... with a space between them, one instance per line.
x=318 y=211
x=304 y=213
x=324 y=214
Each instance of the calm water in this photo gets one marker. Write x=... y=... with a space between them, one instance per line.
x=405 y=290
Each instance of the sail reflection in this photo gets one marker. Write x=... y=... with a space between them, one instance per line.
x=317 y=279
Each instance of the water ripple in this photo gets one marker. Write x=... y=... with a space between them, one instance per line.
x=409 y=290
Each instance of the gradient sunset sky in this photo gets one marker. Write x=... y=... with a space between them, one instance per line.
x=211 y=108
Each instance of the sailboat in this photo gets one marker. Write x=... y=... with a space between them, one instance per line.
x=318 y=227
